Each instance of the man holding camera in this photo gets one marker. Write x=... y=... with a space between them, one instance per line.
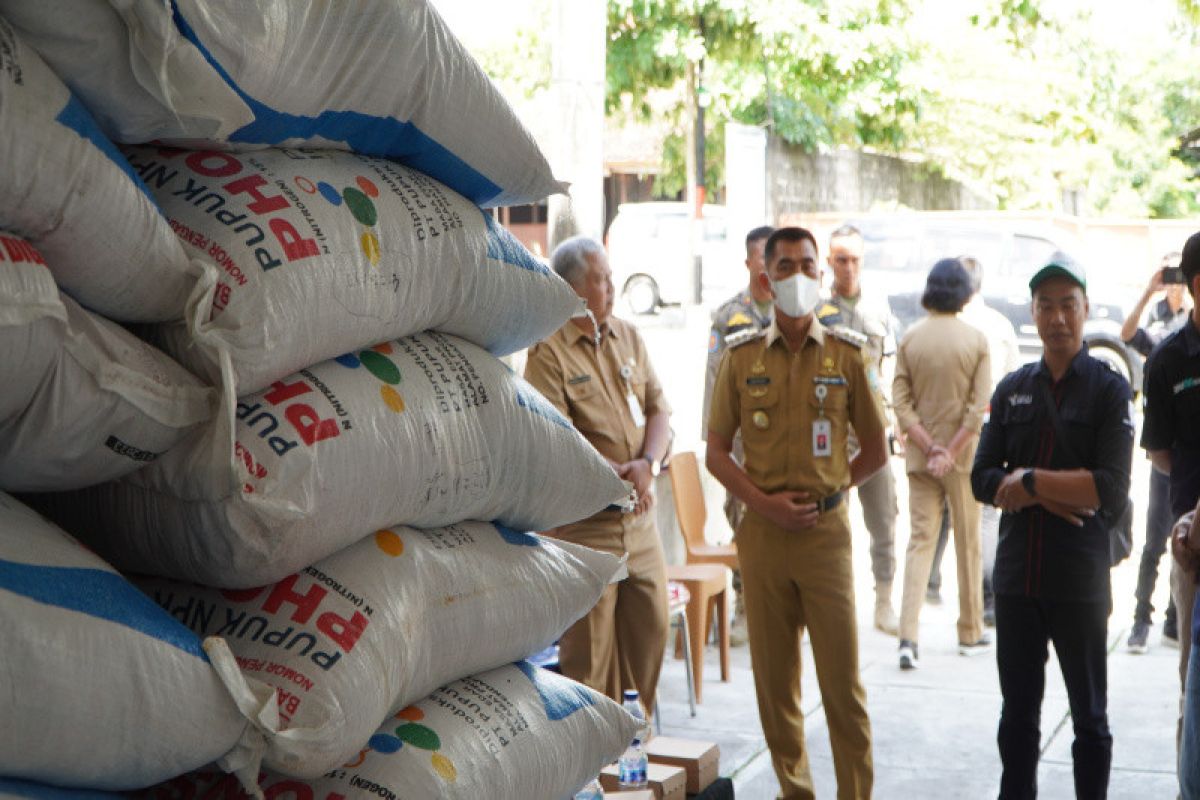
x=1164 y=317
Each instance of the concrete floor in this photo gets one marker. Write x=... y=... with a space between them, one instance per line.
x=934 y=728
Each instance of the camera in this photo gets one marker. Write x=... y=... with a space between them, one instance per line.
x=1173 y=275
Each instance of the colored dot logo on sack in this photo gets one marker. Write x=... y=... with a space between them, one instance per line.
x=389 y=542
x=357 y=200
x=413 y=734
x=376 y=362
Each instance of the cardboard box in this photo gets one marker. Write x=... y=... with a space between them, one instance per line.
x=665 y=781
x=701 y=761
x=631 y=794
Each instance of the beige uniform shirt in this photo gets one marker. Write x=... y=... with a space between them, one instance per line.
x=773 y=397
x=593 y=386
x=943 y=381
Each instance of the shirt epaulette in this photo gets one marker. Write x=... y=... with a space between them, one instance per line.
x=849 y=336
x=742 y=337
x=829 y=314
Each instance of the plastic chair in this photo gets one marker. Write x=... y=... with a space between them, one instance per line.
x=677 y=613
x=707 y=585
x=690 y=511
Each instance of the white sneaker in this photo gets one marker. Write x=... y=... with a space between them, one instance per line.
x=908 y=654
x=984 y=645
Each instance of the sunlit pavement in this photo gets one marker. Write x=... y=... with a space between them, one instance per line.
x=934 y=728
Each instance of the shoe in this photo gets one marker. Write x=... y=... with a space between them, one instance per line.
x=983 y=645
x=908 y=654
x=1138 y=638
x=1170 y=633
x=885 y=614
x=933 y=596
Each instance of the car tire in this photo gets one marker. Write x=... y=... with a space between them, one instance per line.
x=641 y=294
x=1114 y=358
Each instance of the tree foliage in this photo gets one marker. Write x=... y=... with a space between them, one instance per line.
x=1025 y=100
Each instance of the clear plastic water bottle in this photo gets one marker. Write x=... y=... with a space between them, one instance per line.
x=591 y=791
x=631 y=769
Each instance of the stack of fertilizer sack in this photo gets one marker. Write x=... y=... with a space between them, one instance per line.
x=285 y=542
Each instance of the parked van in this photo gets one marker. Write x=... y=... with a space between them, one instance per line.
x=900 y=249
x=649 y=255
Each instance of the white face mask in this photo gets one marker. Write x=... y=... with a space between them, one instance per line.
x=798 y=295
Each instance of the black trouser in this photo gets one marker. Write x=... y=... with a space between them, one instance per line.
x=1079 y=630
x=1159 y=521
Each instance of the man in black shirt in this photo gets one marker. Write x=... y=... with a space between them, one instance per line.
x=1171 y=435
x=1165 y=317
x=1055 y=458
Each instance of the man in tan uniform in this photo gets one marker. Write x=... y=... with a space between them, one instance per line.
x=793 y=391
x=865 y=311
x=941 y=390
x=599 y=376
x=749 y=309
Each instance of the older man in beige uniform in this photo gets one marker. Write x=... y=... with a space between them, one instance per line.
x=794 y=391
x=940 y=394
x=597 y=373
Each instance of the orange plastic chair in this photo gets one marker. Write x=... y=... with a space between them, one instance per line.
x=706 y=583
x=690 y=511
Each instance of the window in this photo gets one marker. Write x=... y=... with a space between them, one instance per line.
x=984 y=246
x=1029 y=254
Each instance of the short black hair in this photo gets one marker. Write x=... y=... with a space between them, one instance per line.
x=789 y=234
x=758 y=234
x=948 y=287
x=1190 y=261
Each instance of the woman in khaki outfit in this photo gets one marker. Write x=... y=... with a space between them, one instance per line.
x=940 y=394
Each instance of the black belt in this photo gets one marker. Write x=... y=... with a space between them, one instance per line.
x=824 y=504
x=830 y=503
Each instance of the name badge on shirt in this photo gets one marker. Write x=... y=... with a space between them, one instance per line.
x=635 y=410
x=822 y=438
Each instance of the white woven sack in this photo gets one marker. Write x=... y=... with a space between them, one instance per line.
x=99 y=687
x=425 y=431
x=312 y=254
x=68 y=190
x=517 y=732
x=382 y=77
x=83 y=400
x=358 y=636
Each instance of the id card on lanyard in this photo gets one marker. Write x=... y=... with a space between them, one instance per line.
x=635 y=405
x=822 y=429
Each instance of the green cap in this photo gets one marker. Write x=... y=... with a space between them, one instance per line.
x=1060 y=264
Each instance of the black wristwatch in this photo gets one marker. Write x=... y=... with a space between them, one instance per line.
x=655 y=466
x=1027 y=481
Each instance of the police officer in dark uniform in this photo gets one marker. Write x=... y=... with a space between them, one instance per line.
x=1055 y=458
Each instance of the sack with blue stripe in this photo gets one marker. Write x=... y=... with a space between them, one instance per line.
x=305 y=255
x=100 y=687
x=516 y=732
x=381 y=77
x=384 y=622
x=426 y=430
x=74 y=196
